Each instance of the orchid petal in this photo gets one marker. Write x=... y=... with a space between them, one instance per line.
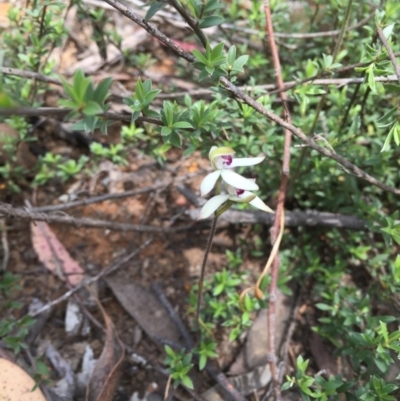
x=212 y=205
x=246 y=161
x=237 y=181
x=259 y=204
x=216 y=156
x=208 y=182
x=222 y=151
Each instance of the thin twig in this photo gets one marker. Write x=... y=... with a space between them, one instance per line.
x=272 y=88
x=190 y=21
x=98 y=199
x=203 y=268
x=63 y=112
x=151 y=29
x=30 y=75
x=173 y=315
x=20 y=213
x=311 y=35
x=392 y=57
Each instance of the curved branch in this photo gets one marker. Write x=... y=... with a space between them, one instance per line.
x=304 y=138
x=61 y=112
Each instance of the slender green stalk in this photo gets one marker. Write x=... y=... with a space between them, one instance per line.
x=203 y=266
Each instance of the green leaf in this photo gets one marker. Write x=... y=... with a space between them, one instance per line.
x=211 y=5
x=217 y=52
x=151 y=95
x=187 y=381
x=218 y=289
x=139 y=90
x=191 y=149
x=231 y=56
x=175 y=139
x=371 y=80
x=387 y=31
x=5 y=100
x=210 y=70
x=202 y=361
x=169 y=113
x=182 y=124
x=166 y=131
x=211 y=21
x=322 y=306
x=101 y=92
x=248 y=305
x=200 y=57
x=396 y=134
x=203 y=75
x=153 y=9
x=386 y=145
x=239 y=63
x=80 y=84
x=92 y=108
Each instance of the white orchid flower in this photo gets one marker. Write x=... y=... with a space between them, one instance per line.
x=223 y=161
x=233 y=195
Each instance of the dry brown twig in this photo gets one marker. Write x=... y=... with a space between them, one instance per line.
x=279 y=215
x=7 y=210
x=392 y=56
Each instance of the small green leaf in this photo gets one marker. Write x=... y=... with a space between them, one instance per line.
x=202 y=361
x=187 y=381
x=193 y=148
x=92 y=108
x=101 y=92
x=200 y=57
x=231 y=55
x=210 y=70
x=157 y=6
x=371 y=80
x=168 y=113
x=182 y=124
x=213 y=20
x=322 y=306
x=139 y=90
x=217 y=52
x=175 y=139
x=239 y=63
x=166 y=131
x=387 y=31
x=386 y=145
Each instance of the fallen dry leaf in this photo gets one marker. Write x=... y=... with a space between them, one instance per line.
x=144 y=307
x=16 y=384
x=104 y=378
x=52 y=253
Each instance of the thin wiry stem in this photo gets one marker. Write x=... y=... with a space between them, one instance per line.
x=191 y=22
x=392 y=56
x=203 y=266
x=279 y=215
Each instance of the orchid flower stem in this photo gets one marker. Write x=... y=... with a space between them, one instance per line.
x=203 y=267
